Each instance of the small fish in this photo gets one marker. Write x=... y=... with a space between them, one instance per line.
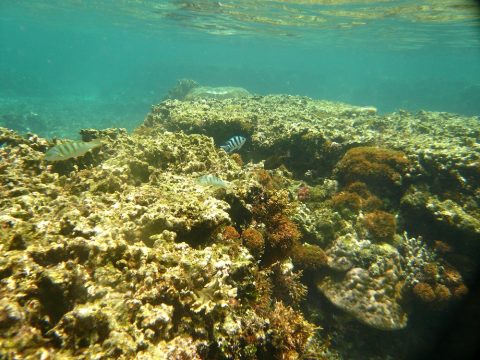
x=211 y=180
x=234 y=143
x=71 y=149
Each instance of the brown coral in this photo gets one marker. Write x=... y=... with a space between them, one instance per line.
x=283 y=233
x=229 y=233
x=430 y=271
x=359 y=188
x=264 y=178
x=346 y=200
x=286 y=284
x=267 y=204
x=424 y=292
x=442 y=293
x=460 y=291
x=309 y=257
x=290 y=332
x=253 y=240
x=356 y=196
x=377 y=167
x=381 y=225
x=452 y=275
x=271 y=208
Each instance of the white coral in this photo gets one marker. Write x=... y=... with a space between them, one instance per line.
x=415 y=256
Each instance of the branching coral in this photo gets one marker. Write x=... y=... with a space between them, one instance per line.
x=429 y=279
x=286 y=284
x=289 y=332
x=416 y=255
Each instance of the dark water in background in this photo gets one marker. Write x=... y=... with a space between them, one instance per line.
x=65 y=65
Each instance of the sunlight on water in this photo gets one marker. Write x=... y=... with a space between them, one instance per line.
x=118 y=57
x=312 y=19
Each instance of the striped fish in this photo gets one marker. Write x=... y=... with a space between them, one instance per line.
x=211 y=180
x=71 y=149
x=234 y=143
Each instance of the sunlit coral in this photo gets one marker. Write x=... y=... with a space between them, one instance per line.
x=264 y=178
x=267 y=204
x=237 y=158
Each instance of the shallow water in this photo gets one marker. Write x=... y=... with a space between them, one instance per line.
x=342 y=221
x=78 y=63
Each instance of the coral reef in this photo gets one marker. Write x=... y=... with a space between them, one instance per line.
x=123 y=253
x=283 y=233
x=119 y=254
x=289 y=332
x=428 y=277
x=424 y=292
x=371 y=299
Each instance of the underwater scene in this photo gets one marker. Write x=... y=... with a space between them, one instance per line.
x=240 y=179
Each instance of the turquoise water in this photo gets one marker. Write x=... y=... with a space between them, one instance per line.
x=76 y=64
x=387 y=220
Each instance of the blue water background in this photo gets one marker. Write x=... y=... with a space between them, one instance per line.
x=86 y=67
